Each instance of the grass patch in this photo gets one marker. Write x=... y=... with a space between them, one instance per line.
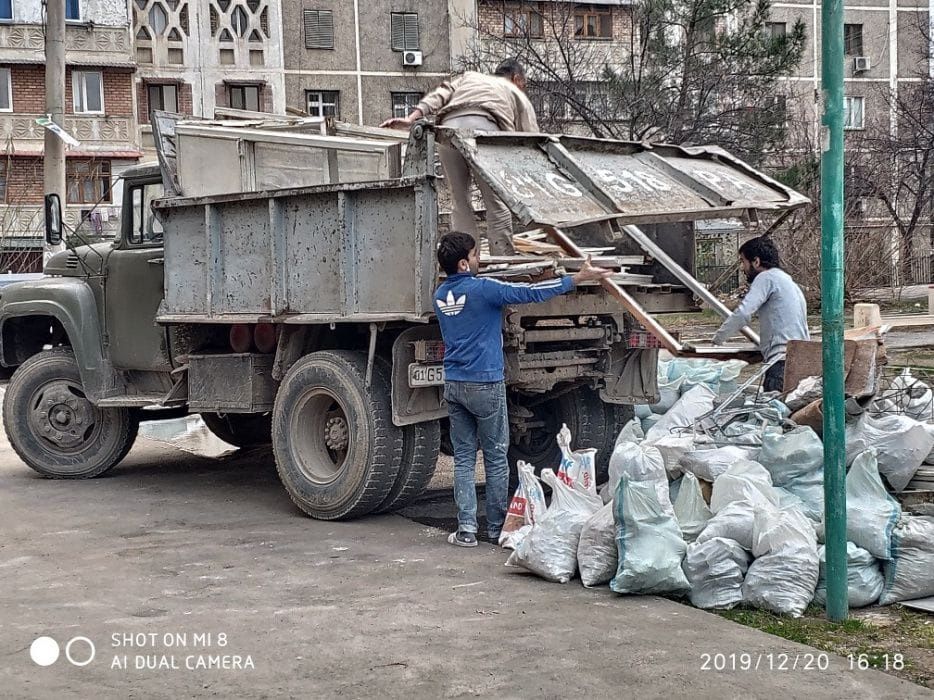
x=875 y=640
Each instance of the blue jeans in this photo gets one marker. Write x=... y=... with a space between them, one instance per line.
x=478 y=412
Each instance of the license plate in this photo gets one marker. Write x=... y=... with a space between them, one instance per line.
x=425 y=375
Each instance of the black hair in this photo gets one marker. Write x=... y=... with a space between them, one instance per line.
x=509 y=69
x=762 y=248
x=454 y=247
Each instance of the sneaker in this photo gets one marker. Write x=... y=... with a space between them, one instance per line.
x=462 y=539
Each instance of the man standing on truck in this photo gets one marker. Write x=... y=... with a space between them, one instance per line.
x=779 y=303
x=470 y=313
x=483 y=103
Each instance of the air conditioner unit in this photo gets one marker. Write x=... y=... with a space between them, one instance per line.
x=861 y=64
x=411 y=58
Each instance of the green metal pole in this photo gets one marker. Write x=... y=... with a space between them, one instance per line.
x=832 y=64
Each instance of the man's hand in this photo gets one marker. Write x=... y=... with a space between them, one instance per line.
x=589 y=272
x=402 y=122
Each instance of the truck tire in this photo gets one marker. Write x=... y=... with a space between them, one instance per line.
x=240 y=429
x=617 y=415
x=420 y=446
x=582 y=411
x=54 y=428
x=337 y=450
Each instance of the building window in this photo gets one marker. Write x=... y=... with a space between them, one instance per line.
x=404 y=30
x=72 y=9
x=521 y=22
x=319 y=29
x=88 y=92
x=854 y=112
x=323 y=103
x=776 y=30
x=404 y=102
x=853 y=39
x=592 y=22
x=87 y=181
x=244 y=97
x=6 y=9
x=162 y=97
x=6 y=91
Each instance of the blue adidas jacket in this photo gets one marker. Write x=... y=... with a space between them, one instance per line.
x=470 y=312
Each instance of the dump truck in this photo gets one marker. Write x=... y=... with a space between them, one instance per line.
x=302 y=316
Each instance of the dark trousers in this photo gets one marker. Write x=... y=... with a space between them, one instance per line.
x=774 y=377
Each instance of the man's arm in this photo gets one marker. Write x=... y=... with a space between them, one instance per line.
x=525 y=113
x=503 y=293
x=759 y=292
x=429 y=104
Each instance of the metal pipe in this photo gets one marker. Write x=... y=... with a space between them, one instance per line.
x=832 y=64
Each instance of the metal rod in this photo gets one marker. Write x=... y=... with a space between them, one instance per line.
x=832 y=64
x=649 y=323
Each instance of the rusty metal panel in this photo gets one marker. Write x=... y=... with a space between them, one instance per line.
x=312 y=260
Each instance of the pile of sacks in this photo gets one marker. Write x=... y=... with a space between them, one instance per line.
x=725 y=525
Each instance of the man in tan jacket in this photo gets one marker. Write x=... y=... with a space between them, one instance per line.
x=482 y=103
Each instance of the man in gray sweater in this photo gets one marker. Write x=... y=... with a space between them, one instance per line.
x=481 y=103
x=776 y=299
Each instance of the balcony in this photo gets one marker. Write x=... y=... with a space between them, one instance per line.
x=113 y=137
x=84 y=45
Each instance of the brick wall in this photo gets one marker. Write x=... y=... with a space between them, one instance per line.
x=142 y=96
x=24 y=180
x=29 y=90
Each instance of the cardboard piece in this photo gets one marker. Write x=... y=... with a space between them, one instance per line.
x=803 y=358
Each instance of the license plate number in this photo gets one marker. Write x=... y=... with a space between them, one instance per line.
x=426 y=375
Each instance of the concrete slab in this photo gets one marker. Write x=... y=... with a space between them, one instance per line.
x=173 y=544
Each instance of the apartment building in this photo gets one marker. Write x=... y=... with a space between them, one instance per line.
x=99 y=112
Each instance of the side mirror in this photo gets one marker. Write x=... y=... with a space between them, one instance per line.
x=53 y=219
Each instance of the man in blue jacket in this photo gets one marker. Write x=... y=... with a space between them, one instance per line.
x=469 y=310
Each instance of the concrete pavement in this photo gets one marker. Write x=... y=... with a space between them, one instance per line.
x=171 y=548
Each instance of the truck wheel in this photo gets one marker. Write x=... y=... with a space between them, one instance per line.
x=240 y=429
x=617 y=415
x=53 y=426
x=337 y=450
x=420 y=447
x=582 y=411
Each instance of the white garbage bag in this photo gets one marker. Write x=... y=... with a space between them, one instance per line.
x=743 y=481
x=734 y=522
x=715 y=569
x=729 y=376
x=597 y=557
x=578 y=468
x=641 y=463
x=784 y=574
x=669 y=391
x=673 y=448
x=796 y=462
x=912 y=396
x=808 y=391
x=649 y=542
x=901 y=443
x=631 y=432
x=550 y=547
x=696 y=372
x=650 y=422
x=526 y=506
x=864 y=580
x=910 y=572
x=871 y=513
x=709 y=463
x=691 y=510
x=680 y=418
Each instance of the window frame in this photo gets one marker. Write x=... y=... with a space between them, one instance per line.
x=321 y=103
x=593 y=11
x=100 y=181
x=231 y=88
x=773 y=34
x=161 y=88
x=418 y=34
x=84 y=89
x=317 y=13
x=526 y=13
x=136 y=236
x=848 y=101
x=5 y=4
x=393 y=94
x=857 y=30
x=76 y=4
x=9 y=89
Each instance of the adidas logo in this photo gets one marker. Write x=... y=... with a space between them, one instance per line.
x=452 y=306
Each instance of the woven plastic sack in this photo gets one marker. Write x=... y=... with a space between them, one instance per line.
x=641 y=463
x=734 y=521
x=578 y=468
x=691 y=510
x=708 y=464
x=864 y=580
x=680 y=418
x=715 y=570
x=902 y=444
x=597 y=557
x=673 y=448
x=526 y=506
x=784 y=575
x=871 y=513
x=910 y=572
x=648 y=541
x=743 y=481
x=795 y=460
x=550 y=547
x=669 y=391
